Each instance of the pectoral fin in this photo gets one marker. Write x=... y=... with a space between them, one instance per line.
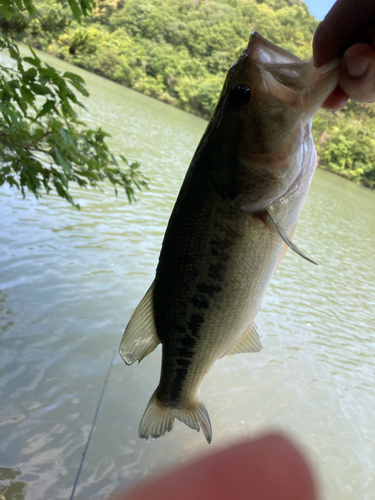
x=249 y=342
x=283 y=250
x=140 y=337
x=267 y=219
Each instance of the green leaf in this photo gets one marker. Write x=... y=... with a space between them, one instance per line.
x=50 y=72
x=13 y=52
x=47 y=107
x=27 y=95
x=39 y=89
x=31 y=60
x=44 y=145
x=66 y=166
x=38 y=61
x=67 y=109
x=30 y=74
x=77 y=13
x=77 y=82
x=29 y=6
x=9 y=13
x=8 y=112
x=73 y=77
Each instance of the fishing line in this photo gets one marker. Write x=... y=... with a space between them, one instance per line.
x=92 y=426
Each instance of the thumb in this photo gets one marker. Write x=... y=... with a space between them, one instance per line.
x=357 y=77
x=266 y=468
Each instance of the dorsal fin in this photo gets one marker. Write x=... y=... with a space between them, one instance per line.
x=249 y=342
x=140 y=337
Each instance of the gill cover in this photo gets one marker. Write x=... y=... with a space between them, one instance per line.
x=261 y=125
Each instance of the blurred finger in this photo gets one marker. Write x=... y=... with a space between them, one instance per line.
x=336 y=100
x=346 y=23
x=267 y=468
x=357 y=77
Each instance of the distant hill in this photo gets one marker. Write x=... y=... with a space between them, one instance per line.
x=178 y=51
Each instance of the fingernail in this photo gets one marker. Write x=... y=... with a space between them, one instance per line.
x=356 y=66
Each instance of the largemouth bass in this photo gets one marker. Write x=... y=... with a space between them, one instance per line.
x=230 y=227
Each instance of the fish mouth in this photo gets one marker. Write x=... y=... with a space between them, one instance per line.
x=323 y=82
x=294 y=81
x=262 y=50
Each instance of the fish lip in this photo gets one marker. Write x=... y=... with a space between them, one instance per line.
x=316 y=83
x=257 y=40
x=329 y=72
x=324 y=80
x=329 y=66
x=267 y=55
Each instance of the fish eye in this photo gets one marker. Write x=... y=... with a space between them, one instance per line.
x=239 y=94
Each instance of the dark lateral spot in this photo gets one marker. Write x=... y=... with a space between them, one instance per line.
x=220 y=244
x=215 y=271
x=219 y=225
x=180 y=374
x=185 y=352
x=183 y=362
x=196 y=321
x=180 y=329
x=223 y=227
x=178 y=379
x=208 y=289
x=223 y=257
x=220 y=255
x=188 y=341
x=200 y=303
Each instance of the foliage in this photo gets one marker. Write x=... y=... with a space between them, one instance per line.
x=348 y=149
x=43 y=143
x=179 y=51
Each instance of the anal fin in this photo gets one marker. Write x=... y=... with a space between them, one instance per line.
x=249 y=342
x=140 y=337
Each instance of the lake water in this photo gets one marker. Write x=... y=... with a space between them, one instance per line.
x=70 y=280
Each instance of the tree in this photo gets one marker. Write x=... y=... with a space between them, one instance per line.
x=43 y=143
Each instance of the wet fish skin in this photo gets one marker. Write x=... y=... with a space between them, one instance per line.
x=218 y=255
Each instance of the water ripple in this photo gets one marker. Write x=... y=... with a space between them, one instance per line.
x=70 y=281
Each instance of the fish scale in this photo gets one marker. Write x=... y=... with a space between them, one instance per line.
x=235 y=214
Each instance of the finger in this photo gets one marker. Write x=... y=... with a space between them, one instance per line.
x=267 y=468
x=347 y=22
x=357 y=75
x=336 y=100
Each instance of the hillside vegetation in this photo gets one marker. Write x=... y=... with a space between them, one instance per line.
x=179 y=51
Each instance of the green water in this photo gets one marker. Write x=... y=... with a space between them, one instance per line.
x=70 y=280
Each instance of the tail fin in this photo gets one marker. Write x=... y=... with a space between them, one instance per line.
x=159 y=418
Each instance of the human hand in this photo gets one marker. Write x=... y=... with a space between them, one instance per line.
x=349 y=30
x=266 y=468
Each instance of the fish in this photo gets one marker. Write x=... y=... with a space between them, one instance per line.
x=229 y=229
